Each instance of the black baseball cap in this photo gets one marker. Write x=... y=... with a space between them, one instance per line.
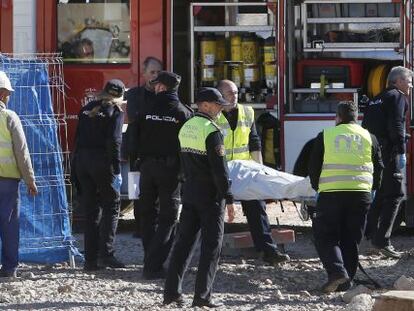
x=210 y=94
x=170 y=79
x=114 y=88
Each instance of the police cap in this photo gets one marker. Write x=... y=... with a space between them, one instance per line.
x=170 y=79
x=114 y=88
x=210 y=94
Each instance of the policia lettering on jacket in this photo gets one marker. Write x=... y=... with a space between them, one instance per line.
x=345 y=165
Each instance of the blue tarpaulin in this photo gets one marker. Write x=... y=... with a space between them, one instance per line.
x=45 y=232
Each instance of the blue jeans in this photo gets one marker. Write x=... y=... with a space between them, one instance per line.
x=9 y=223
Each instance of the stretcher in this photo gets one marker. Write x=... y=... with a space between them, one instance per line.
x=254 y=181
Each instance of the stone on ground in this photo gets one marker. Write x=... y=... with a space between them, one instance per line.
x=404 y=283
x=361 y=302
x=360 y=289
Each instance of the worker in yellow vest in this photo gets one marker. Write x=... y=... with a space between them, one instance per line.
x=345 y=166
x=243 y=143
x=15 y=164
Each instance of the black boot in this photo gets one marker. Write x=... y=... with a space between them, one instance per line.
x=198 y=302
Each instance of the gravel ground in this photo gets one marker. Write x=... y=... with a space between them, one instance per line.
x=241 y=283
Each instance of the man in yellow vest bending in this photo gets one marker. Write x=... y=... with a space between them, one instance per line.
x=345 y=166
x=15 y=164
x=242 y=143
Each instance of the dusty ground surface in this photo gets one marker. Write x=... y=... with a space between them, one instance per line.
x=242 y=283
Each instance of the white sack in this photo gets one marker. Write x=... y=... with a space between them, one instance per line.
x=133 y=185
x=254 y=181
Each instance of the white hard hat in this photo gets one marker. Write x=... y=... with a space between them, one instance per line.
x=5 y=82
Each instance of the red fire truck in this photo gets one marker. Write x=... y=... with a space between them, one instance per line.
x=292 y=60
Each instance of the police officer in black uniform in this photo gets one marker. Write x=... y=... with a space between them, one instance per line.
x=160 y=166
x=205 y=191
x=137 y=99
x=98 y=170
x=394 y=105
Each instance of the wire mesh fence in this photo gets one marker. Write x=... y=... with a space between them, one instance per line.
x=39 y=100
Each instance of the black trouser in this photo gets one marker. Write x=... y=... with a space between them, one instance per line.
x=100 y=202
x=259 y=225
x=207 y=219
x=137 y=214
x=159 y=180
x=384 y=209
x=338 y=228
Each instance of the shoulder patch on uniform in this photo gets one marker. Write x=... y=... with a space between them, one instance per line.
x=220 y=150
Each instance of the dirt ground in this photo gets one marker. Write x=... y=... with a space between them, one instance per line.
x=242 y=283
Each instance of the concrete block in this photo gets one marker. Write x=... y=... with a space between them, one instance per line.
x=244 y=239
x=395 y=300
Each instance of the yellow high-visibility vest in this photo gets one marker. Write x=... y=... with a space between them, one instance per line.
x=8 y=165
x=347 y=162
x=194 y=133
x=237 y=142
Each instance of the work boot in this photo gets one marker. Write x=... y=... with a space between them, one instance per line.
x=344 y=286
x=110 y=262
x=8 y=274
x=275 y=257
x=333 y=283
x=198 y=302
x=178 y=300
x=390 y=252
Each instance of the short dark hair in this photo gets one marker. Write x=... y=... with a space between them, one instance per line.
x=347 y=111
x=151 y=59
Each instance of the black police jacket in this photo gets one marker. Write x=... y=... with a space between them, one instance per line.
x=158 y=126
x=394 y=106
x=100 y=128
x=138 y=100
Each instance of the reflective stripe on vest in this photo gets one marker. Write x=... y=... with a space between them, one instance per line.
x=350 y=144
x=237 y=141
x=350 y=167
x=8 y=165
x=193 y=135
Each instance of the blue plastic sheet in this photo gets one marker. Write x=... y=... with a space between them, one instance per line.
x=45 y=232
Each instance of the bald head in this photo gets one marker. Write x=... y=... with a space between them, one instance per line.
x=230 y=92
